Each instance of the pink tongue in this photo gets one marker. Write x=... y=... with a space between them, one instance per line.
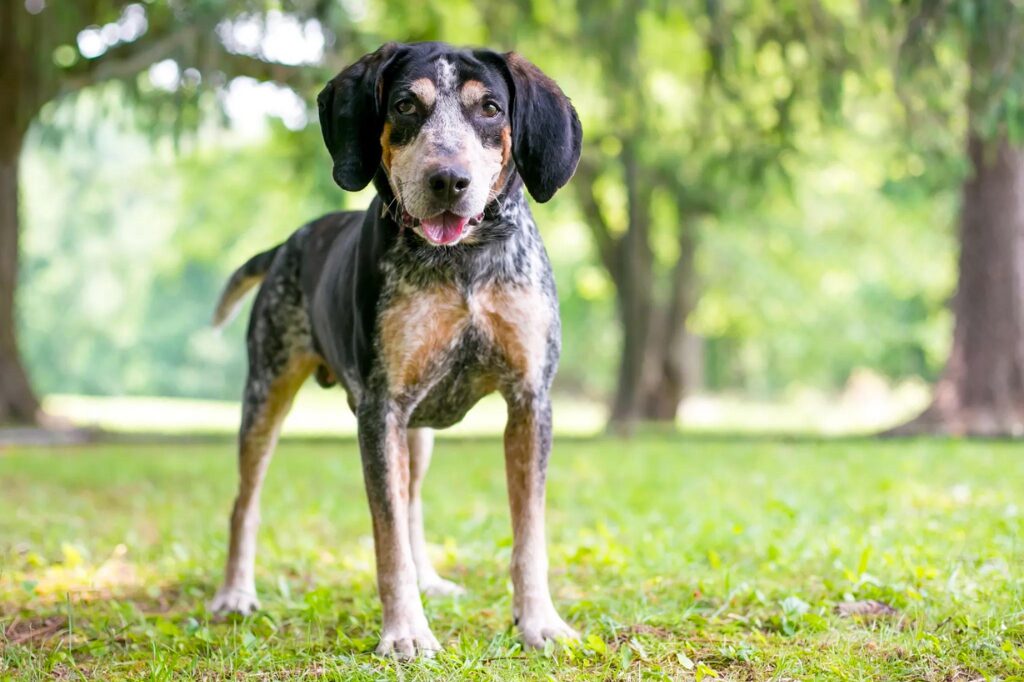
x=444 y=228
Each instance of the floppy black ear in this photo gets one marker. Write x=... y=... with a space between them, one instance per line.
x=546 y=132
x=352 y=117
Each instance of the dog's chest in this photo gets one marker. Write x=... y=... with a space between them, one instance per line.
x=444 y=343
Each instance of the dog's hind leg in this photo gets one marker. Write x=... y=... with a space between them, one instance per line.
x=421 y=445
x=268 y=398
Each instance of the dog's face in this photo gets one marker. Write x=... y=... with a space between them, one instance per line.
x=449 y=130
x=445 y=144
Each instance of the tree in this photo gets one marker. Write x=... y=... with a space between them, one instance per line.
x=704 y=128
x=981 y=392
x=49 y=52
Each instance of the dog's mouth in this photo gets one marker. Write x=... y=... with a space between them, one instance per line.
x=444 y=228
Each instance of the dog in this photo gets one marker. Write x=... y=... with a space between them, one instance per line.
x=440 y=293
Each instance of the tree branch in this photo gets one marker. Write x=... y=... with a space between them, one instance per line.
x=125 y=61
x=691 y=203
x=235 y=64
x=607 y=243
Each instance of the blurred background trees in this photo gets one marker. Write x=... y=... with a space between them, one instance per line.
x=766 y=202
x=981 y=391
x=48 y=54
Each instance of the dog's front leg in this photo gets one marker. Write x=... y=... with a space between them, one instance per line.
x=527 y=446
x=385 y=455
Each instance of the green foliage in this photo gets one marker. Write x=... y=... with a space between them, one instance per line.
x=696 y=559
x=832 y=277
x=124 y=260
x=775 y=135
x=975 y=44
x=137 y=276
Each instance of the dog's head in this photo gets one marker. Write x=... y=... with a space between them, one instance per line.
x=446 y=131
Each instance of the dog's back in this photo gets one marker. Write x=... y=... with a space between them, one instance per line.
x=280 y=332
x=313 y=240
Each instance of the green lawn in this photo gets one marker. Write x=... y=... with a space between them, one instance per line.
x=677 y=558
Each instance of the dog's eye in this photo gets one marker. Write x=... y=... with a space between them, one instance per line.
x=490 y=109
x=406 y=107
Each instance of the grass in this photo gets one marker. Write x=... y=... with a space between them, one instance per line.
x=678 y=558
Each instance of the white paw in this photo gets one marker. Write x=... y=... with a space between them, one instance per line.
x=439 y=587
x=234 y=600
x=537 y=628
x=406 y=641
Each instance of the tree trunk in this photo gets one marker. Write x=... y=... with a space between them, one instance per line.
x=634 y=292
x=659 y=360
x=18 y=403
x=674 y=353
x=981 y=392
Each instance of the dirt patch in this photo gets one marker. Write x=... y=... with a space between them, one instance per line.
x=870 y=608
x=33 y=630
x=630 y=631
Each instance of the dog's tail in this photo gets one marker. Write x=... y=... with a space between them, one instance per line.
x=242 y=280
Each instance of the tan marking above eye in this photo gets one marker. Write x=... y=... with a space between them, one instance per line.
x=472 y=92
x=385 y=147
x=425 y=89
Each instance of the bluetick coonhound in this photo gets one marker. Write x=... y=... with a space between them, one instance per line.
x=438 y=294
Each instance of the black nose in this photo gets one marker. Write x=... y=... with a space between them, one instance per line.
x=448 y=183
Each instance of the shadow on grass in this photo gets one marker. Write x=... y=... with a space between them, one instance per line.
x=41 y=438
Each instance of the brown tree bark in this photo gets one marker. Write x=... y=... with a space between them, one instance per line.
x=674 y=353
x=981 y=392
x=659 y=360
x=18 y=402
x=635 y=304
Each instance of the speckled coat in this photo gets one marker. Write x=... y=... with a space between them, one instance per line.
x=416 y=333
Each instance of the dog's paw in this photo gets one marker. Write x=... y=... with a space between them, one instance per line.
x=405 y=641
x=439 y=587
x=537 y=629
x=234 y=600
